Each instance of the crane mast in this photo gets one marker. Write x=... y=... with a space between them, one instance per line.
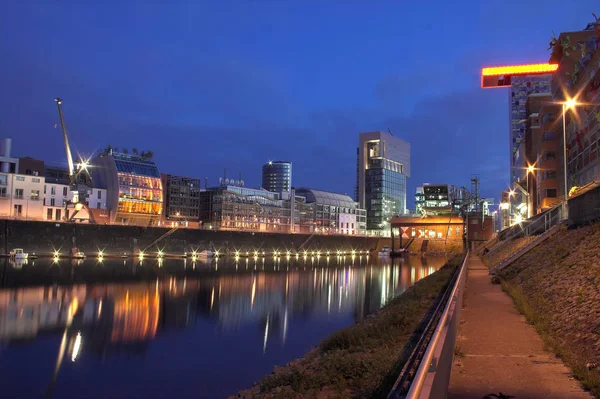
x=66 y=139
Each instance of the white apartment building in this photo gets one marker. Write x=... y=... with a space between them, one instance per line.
x=21 y=196
x=56 y=196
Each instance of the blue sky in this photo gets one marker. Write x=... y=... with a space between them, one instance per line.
x=209 y=85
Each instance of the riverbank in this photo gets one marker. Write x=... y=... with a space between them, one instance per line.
x=361 y=360
x=555 y=286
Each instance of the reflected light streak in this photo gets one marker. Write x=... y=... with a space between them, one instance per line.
x=212 y=298
x=76 y=347
x=253 y=293
x=285 y=324
x=266 y=335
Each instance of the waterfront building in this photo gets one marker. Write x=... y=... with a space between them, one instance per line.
x=229 y=207
x=578 y=77
x=133 y=187
x=334 y=213
x=277 y=176
x=21 y=196
x=383 y=165
x=58 y=193
x=181 y=200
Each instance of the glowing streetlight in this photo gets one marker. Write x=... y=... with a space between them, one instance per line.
x=530 y=169
x=571 y=103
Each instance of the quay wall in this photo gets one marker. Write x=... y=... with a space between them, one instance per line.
x=45 y=237
x=435 y=246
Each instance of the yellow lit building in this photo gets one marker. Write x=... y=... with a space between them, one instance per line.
x=134 y=188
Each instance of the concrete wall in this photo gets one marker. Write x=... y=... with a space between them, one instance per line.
x=585 y=208
x=435 y=246
x=44 y=237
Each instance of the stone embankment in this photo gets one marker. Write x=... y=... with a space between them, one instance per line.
x=556 y=286
x=362 y=360
x=45 y=237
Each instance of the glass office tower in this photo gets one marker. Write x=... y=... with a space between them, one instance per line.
x=383 y=167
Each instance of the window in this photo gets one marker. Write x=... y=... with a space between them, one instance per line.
x=551 y=193
x=58 y=215
x=2 y=192
x=18 y=210
x=99 y=205
x=52 y=201
x=549 y=136
x=3 y=179
x=49 y=214
x=35 y=180
x=550 y=155
x=551 y=174
x=44 y=201
x=19 y=193
x=64 y=191
x=35 y=195
x=53 y=190
x=99 y=194
x=20 y=178
x=44 y=189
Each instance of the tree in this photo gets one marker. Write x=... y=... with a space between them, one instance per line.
x=134 y=151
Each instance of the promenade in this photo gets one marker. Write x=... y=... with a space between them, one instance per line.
x=498 y=352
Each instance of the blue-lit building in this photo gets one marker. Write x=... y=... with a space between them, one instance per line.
x=134 y=188
x=383 y=165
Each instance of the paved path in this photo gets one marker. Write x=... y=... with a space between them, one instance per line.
x=502 y=353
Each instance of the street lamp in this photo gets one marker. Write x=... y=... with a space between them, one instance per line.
x=571 y=103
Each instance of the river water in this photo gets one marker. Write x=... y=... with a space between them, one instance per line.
x=177 y=329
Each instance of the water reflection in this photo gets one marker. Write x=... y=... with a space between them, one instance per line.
x=216 y=311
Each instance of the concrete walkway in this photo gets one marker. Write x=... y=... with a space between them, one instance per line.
x=501 y=352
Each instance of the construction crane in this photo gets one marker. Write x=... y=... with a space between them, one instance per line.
x=79 y=177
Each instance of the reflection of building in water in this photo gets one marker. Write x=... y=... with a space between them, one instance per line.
x=135 y=316
x=25 y=312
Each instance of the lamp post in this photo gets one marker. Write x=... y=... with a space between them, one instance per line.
x=569 y=104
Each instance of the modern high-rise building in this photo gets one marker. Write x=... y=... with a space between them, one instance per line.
x=521 y=87
x=277 y=176
x=383 y=166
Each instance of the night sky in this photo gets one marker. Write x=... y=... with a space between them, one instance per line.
x=215 y=84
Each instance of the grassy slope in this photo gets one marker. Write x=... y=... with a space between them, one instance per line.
x=358 y=361
x=557 y=287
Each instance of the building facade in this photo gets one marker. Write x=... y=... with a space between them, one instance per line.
x=58 y=193
x=277 y=176
x=520 y=89
x=240 y=208
x=543 y=133
x=383 y=167
x=181 y=200
x=21 y=196
x=134 y=192
x=334 y=213
x=578 y=77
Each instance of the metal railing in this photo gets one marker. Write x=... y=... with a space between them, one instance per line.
x=432 y=377
x=524 y=235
